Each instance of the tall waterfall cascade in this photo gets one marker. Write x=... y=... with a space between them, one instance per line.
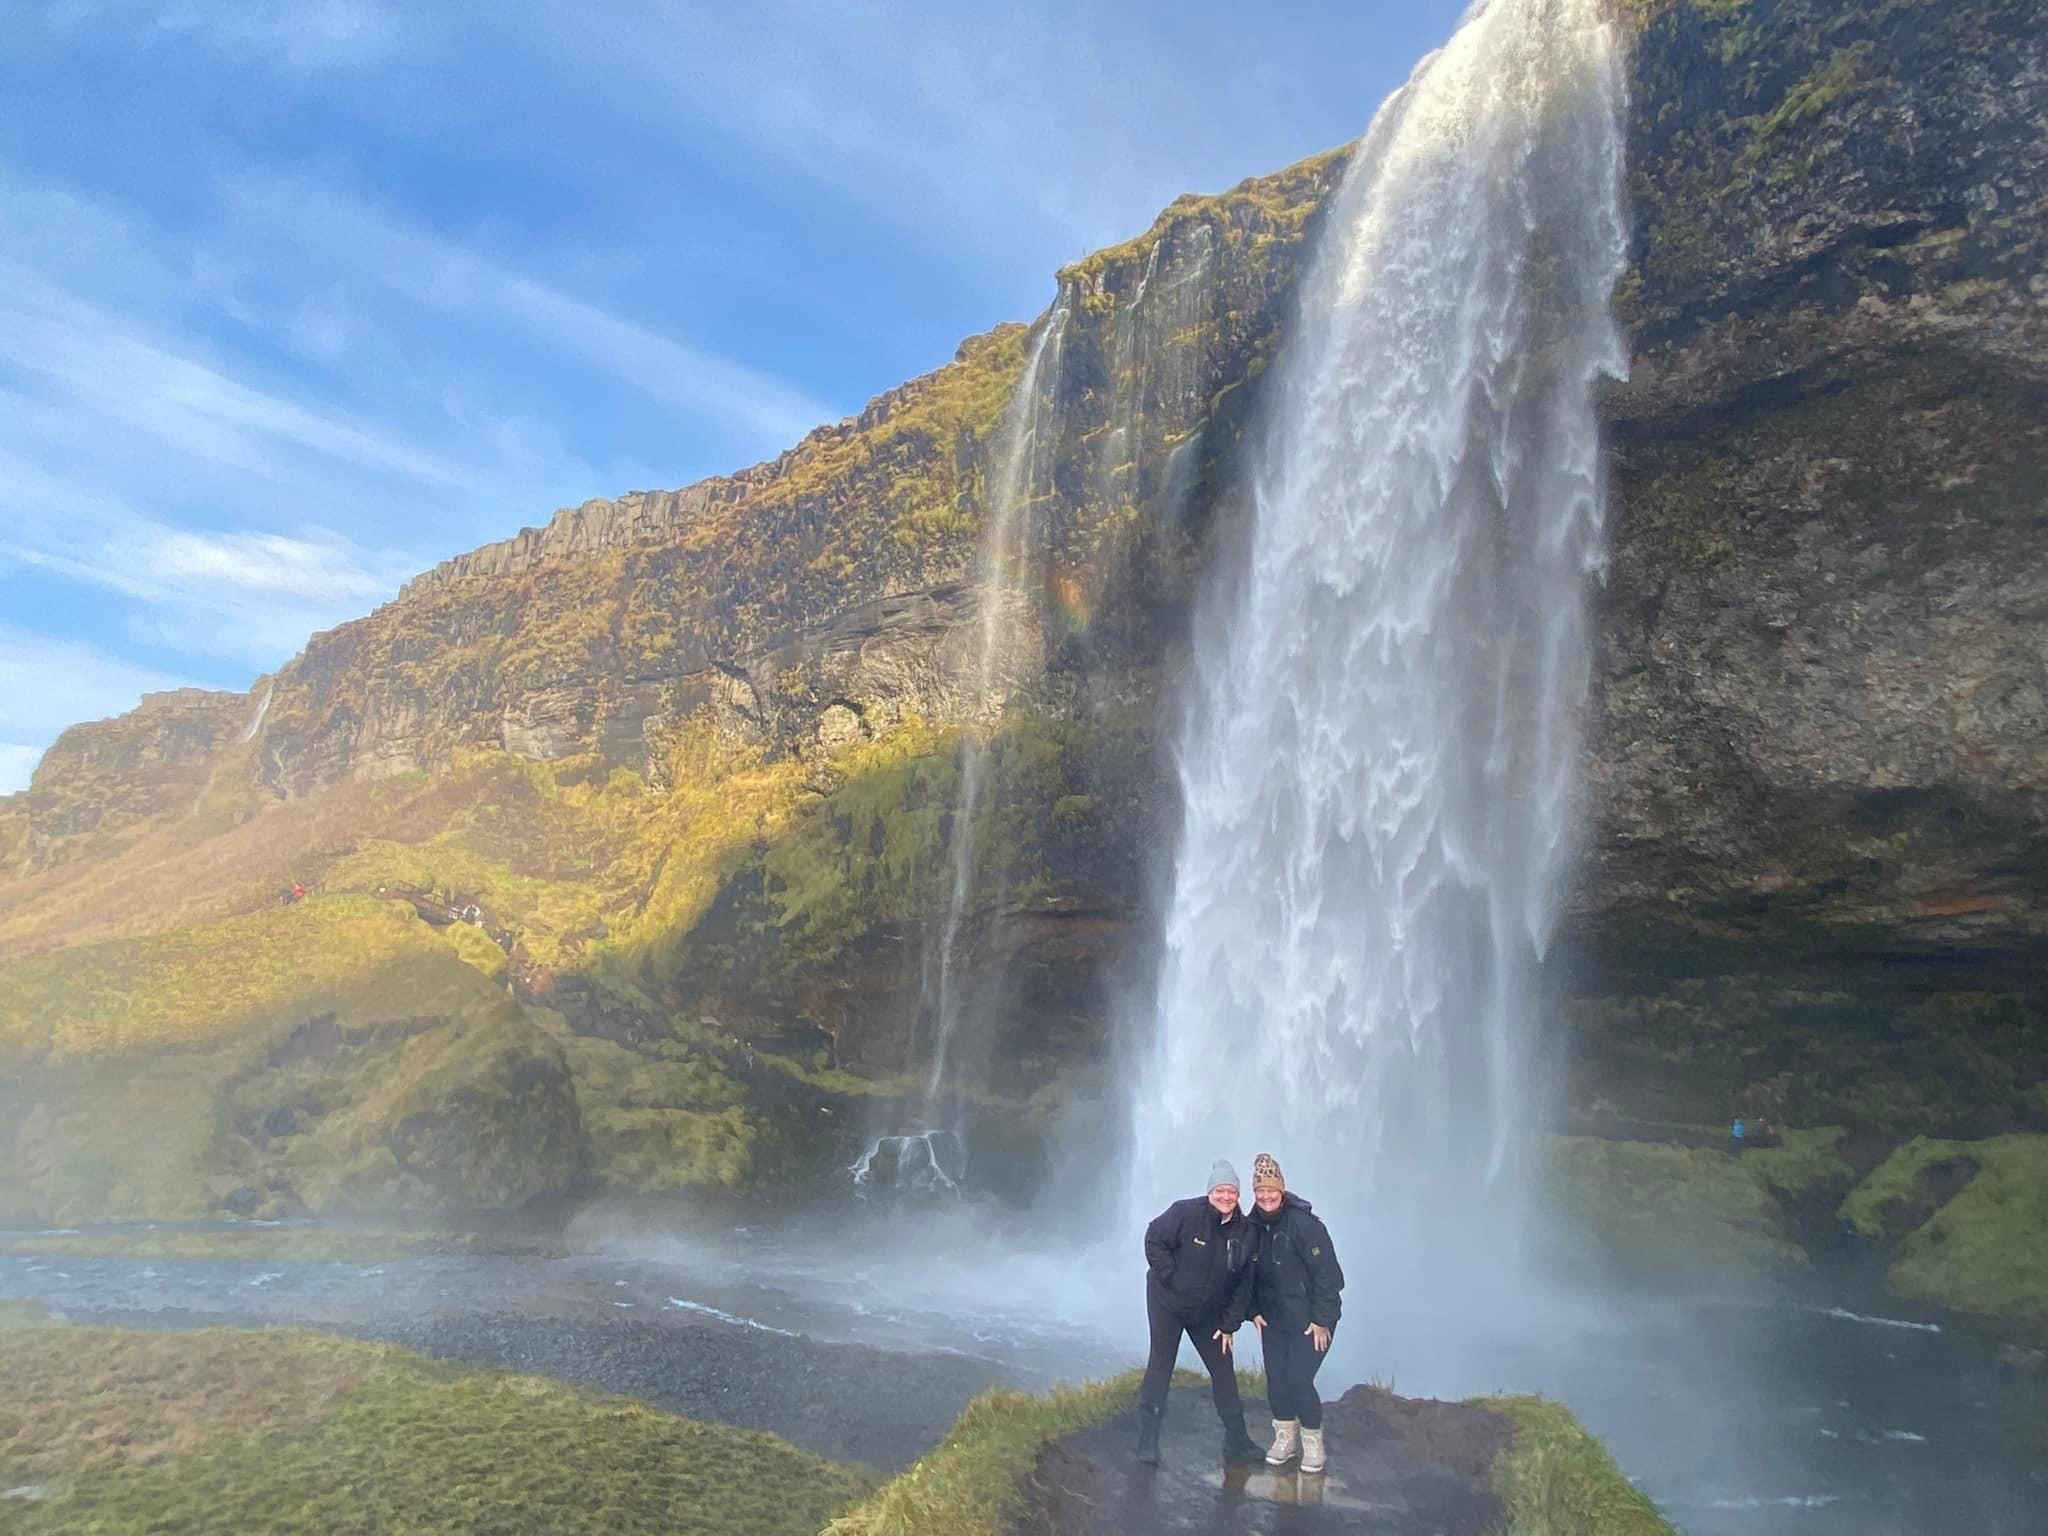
x=1380 y=739
x=1011 y=557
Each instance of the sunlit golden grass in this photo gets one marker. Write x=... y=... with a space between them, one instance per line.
x=75 y=1397
x=655 y=861
x=219 y=860
x=287 y=1432
x=199 y=983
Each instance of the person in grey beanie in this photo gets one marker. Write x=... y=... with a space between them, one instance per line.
x=1198 y=1283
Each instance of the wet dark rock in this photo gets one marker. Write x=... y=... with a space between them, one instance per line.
x=1397 y=1466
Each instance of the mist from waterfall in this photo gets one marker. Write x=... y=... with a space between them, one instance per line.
x=1012 y=558
x=1379 y=749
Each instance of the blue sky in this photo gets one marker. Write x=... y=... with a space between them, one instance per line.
x=299 y=298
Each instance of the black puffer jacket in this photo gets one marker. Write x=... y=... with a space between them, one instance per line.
x=1200 y=1265
x=1296 y=1279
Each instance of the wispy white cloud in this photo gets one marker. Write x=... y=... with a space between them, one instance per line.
x=322 y=570
x=306 y=34
x=1015 y=131
x=248 y=596
x=454 y=278
x=300 y=34
x=147 y=449
x=101 y=360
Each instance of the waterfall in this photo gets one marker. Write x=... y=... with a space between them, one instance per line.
x=1011 y=579
x=255 y=722
x=1378 y=752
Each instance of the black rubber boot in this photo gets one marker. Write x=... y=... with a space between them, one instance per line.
x=1239 y=1449
x=1148 y=1434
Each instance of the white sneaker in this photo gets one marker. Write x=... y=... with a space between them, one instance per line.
x=1286 y=1441
x=1311 y=1450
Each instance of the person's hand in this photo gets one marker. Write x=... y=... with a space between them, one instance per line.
x=1318 y=1335
x=1262 y=1325
x=1223 y=1338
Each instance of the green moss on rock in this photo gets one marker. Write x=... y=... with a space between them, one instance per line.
x=1970 y=1223
x=1671 y=1208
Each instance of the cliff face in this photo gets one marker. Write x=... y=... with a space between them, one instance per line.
x=111 y=774
x=693 y=755
x=1823 y=707
x=839 y=575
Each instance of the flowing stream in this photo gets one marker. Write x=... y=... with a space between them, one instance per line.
x=1378 y=750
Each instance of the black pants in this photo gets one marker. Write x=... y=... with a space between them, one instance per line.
x=1292 y=1361
x=1167 y=1328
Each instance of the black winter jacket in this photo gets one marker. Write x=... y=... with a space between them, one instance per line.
x=1296 y=1279
x=1199 y=1264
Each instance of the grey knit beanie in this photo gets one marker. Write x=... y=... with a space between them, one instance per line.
x=1220 y=1172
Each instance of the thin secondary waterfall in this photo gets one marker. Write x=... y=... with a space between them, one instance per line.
x=262 y=708
x=1378 y=755
x=1011 y=580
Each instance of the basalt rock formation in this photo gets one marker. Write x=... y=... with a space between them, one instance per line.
x=688 y=760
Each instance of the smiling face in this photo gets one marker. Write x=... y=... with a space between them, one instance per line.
x=1224 y=1198
x=1268 y=1197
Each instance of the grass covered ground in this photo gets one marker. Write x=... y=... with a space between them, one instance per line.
x=1557 y=1480
x=969 y=1485
x=1665 y=1207
x=235 y=1430
x=1969 y=1220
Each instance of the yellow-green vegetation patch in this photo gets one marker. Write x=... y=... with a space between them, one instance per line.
x=412 y=1085
x=1557 y=1480
x=1674 y=1207
x=1804 y=1162
x=284 y=1431
x=72 y=1398
x=1971 y=1218
x=664 y=1118
x=969 y=1486
x=102 y=1140
x=200 y=983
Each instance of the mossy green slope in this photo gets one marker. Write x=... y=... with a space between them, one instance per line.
x=1970 y=1223
x=1675 y=1209
x=231 y=1430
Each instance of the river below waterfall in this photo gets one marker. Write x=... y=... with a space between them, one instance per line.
x=1737 y=1416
